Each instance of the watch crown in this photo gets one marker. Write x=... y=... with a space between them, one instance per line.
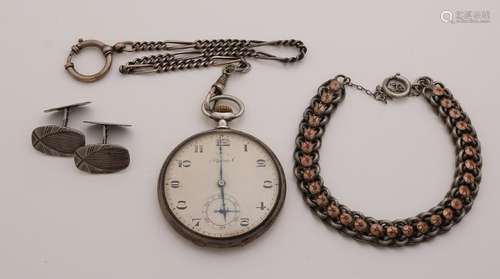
x=223 y=108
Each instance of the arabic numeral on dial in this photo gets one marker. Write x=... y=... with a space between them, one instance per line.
x=198 y=148
x=196 y=222
x=268 y=184
x=183 y=163
x=181 y=205
x=261 y=163
x=245 y=147
x=223 y=142
x=174 y=184
x=261 y=206
x=244 y=222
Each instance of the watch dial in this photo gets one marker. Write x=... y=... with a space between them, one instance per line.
x=221 y=184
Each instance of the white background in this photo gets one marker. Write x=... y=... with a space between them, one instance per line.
x=389 y=161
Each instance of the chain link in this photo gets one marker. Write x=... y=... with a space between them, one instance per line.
x=180 y=55
x=378 y=94
x=439 y=219
x=204 y=53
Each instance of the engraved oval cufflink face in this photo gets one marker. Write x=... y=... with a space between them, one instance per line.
x=102 y=157
x=56 y=140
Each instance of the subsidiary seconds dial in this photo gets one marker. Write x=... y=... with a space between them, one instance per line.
x=221 y=188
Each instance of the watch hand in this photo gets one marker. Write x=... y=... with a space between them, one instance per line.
x=227 y=210
x=223 y=210
x=221 y=183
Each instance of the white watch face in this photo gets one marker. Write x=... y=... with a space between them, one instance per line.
x=221 y=184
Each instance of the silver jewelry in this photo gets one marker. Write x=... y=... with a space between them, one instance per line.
x=181 y=55
x=437 y=220
x=102 y=157
x=57 y=140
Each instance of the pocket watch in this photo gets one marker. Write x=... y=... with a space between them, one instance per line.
x=222 y=187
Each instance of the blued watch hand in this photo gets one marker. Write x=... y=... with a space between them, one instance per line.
x=221 y=183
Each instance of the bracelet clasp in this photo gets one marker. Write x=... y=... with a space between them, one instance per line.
x=396 y=86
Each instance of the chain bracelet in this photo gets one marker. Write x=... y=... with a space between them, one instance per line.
x=180 y=55
x=426 y=225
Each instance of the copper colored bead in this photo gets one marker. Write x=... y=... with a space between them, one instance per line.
x=436 y=220
x=392 y=231
x=319 y=108
x=454 y=113
x=469 y=164
x=469 y=178
x=334 y=85
x=467 y=138
x=376 y=230
x=309 y=174
x=322 y=200
x=360 y=225
x=313 y=120
x=407 y=230
x=470 y=151
x=464 y=191
x=448 y=213
x=306 y=161
x=446 y=103
x=345 y=219
x=307 y=146
x=333 y=211
x=438 y=91
x=314 y=187
x=309 y=133
x=422 y=227
x=326 y=97
x=456 y=204
x=462 y=125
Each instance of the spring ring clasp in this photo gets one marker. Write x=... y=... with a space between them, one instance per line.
x=106 y=50
x=396 y=86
